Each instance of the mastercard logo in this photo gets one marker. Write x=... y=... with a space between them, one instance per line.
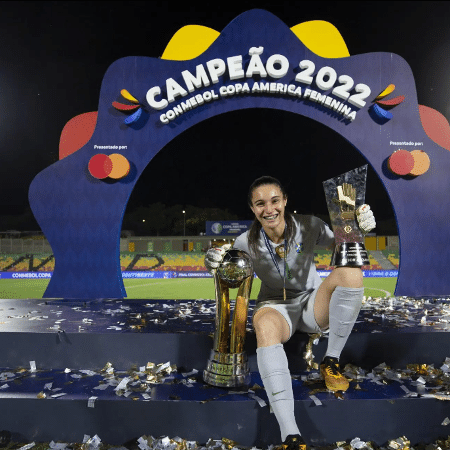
x=114 y=166
x=414 y=163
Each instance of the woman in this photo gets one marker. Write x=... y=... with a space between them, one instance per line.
x=292 y=295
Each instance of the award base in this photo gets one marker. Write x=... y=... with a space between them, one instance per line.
x=227 y=370
x=350 y=254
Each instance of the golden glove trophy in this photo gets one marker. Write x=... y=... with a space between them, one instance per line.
x=344 y=195
x=228 y=366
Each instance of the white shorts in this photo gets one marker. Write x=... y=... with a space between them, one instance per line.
x=298 y=312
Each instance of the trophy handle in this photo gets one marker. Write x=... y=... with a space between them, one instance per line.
x=222 y=331
x=239 y=324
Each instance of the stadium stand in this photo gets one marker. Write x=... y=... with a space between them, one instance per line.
x=392 y=256
x=322 y=260
x=157 y=261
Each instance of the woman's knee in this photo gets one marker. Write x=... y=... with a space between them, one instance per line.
x=348 y=277
x=270 y=327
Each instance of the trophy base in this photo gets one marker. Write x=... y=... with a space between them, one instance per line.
x=227 y=370
x=351 y=254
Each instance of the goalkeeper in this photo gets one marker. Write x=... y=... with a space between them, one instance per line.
x=292 y=295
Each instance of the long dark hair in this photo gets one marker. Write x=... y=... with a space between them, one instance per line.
x=255 y=228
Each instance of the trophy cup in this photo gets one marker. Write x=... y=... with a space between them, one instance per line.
x=227 y=365
x=344 y=195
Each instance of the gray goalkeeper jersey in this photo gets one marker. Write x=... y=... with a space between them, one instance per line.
x=309 y=232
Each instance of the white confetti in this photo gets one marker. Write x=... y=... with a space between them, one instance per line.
x=26 y=447
x=57 y=446
x=357 y=443
x=123 y=383
x=260 y=401
x=188 y=374
x=316 y=401
x=58 y=395
x=142 y=444
x=419 y=380
x=163 y=367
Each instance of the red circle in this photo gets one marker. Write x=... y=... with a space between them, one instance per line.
x=100 y=166
x=401 y=162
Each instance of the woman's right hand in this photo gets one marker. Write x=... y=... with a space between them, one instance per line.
x=214 y=257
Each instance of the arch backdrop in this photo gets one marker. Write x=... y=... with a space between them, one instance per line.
x=255 y=62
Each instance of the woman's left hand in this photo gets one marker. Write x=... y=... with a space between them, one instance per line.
x=366 y=219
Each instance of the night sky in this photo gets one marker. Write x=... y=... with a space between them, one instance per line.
x=54 y=55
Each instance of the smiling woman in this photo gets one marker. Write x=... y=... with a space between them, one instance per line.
x=268 y=202
x=292 y=296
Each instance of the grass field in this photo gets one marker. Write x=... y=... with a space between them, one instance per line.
x=175 y=288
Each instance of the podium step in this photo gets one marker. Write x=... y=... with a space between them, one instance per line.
x=84 y=335
x=73 y=345
x=54 y=405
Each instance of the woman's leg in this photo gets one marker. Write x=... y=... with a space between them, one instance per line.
x=272 y=330
x=336 y=307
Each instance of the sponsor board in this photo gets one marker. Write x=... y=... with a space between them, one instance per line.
x=199 y=274
x=366 y=273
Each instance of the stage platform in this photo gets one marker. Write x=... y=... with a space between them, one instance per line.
x=71 y=368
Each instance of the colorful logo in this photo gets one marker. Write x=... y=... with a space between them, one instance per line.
x=216 y=228
x=114 y=166
x=380 y=108
x=409 y=163
x=135 y=108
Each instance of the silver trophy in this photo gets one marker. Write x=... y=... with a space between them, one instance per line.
x=344 y=195
x=228 y=366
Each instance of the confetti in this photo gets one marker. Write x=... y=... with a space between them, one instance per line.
x=316 y=401
x=260 y=401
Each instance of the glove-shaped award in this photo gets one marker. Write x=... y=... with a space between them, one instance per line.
x=228 y=366
x=344 y=195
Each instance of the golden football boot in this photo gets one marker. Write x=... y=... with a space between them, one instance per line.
x=293 y=442
x=334 y=380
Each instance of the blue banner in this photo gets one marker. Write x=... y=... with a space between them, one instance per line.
x=160 y=274
x=193 y=275
x=366 y=273
x=148 y=274
x=26 y=275
x=227 y=227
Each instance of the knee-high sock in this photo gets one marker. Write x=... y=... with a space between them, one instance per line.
x=274 y=370
x=345 y=305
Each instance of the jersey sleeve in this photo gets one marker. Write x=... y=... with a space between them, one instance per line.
x=325 y=235
x=241 y=242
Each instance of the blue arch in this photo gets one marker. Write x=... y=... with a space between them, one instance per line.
x=81 y=216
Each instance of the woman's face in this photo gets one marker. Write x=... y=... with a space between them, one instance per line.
x=268 y=205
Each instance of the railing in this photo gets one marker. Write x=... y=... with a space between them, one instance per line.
x=25 y=246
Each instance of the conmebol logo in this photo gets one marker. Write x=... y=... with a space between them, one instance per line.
x=216 y=228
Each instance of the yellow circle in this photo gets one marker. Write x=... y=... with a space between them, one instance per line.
x=421 y=162
x=121 y=166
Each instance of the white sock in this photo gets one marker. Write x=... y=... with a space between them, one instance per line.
x=274 y=370
x=345 y=304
